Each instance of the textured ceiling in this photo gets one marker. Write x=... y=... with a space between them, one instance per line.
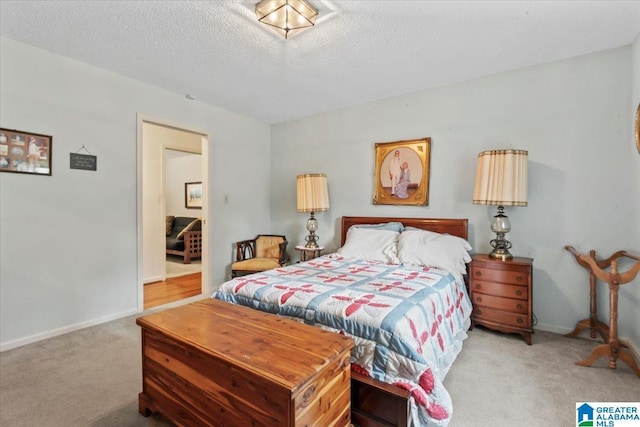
x=359 y=51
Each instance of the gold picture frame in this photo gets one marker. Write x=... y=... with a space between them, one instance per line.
x=402 y=172
x=638 y=128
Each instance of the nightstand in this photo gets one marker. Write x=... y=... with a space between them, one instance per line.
x=501 y=293
x=307 y=254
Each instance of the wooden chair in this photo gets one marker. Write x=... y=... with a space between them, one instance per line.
x=265 y=252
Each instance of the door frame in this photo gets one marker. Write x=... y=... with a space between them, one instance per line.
x=206 y=274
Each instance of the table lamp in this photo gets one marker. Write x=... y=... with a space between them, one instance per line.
x=501 y=179
x=313 y=196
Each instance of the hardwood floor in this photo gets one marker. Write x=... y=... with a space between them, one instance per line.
x=177 y=288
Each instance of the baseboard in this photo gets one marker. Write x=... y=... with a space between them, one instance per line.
x=9 y=345
x=563 y=331
x=176 y=303
x=153 y=279
x=554 y=329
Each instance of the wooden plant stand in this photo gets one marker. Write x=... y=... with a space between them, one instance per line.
x=613 y=347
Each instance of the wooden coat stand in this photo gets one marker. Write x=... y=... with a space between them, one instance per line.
x=613 y=347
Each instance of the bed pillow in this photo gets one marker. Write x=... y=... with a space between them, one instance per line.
x=169 y=220
x=393 y=226
x=430 y=249
x=371 y=244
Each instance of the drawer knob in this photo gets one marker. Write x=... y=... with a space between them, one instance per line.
x=478 y=273
x=519 y=278
x=519 y=306
x=479 y=299
x=478 y=286
x=519 y=320
x=479 y=312
x=518 y=293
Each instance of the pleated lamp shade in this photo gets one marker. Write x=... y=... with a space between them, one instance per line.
x=313 y=193
x=501 y=178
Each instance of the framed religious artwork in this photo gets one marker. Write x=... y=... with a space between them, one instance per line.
x=25 y=152
x=402 y=172
x=193 y=195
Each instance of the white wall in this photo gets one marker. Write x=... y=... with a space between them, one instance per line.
x=573 y=118
x=68 y=255
x=180 y=168
x=68 y=251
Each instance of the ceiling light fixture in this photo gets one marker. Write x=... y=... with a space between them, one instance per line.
x=286 y=17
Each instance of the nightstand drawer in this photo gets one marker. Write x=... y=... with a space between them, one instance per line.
x=499 y=289
x=499 y=316
x=506 y=304
x=502 y=276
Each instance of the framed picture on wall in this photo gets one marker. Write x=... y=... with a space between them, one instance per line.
x=402 y=172
x=25 y=152
x=193 y=195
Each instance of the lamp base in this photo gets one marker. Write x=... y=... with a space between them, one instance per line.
x=502 y=254
x=312 y=239
x=311 y=244
x=501 y=226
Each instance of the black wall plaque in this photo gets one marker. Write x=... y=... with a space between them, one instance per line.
x=83 y=161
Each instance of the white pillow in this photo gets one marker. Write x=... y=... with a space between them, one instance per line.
x=426 y=248
x=393 y=226
x=371 y=244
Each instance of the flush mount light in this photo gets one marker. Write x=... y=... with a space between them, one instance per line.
x=286 y=17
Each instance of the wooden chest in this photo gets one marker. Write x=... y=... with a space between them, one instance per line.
x=211 y=363
x=501 y=293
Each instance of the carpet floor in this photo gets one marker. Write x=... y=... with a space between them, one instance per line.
x=92 y=377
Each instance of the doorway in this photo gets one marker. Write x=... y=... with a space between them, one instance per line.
x=170 y=157
x=182 y=199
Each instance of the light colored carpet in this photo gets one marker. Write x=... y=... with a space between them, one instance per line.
x=176 y=267
x=92 y=377
x=498 y=380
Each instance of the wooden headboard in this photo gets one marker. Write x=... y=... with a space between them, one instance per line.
x=455 y=227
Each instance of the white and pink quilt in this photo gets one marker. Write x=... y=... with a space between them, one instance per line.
x=407 y=322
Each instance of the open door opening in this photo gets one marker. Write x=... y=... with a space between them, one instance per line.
x=172 y=213
x=182 y=212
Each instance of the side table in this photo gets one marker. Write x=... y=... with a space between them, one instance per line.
x=307 y=254
x=501 y=293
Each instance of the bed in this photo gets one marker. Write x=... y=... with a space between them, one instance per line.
x=404 y=304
